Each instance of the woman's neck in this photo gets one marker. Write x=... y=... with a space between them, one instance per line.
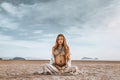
x=60 y=45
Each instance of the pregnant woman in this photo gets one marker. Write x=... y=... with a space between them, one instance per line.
x=60 y=62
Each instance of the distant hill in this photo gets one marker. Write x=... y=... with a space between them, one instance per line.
x=88 y=58
x=23 y=58
x=18 y=58
x=0 y=58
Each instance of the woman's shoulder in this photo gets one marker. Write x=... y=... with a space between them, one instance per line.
x=54 y=47
x=66 y=47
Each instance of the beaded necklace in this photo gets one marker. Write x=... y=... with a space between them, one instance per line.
x=60 y=52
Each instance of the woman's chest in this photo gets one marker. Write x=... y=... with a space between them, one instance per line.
x=60 y=59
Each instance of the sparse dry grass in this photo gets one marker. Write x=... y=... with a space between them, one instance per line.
x=89 y=70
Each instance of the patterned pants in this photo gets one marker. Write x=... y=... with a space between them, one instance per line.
x=51 y=69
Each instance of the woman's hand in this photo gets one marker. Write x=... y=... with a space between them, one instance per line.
x=63 y=67
x=68 y=56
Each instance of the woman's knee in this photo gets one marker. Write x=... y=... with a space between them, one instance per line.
x=74 y=68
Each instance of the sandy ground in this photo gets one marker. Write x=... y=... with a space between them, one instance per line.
x=89 y=70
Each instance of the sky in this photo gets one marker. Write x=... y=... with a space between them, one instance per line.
x=28 y=28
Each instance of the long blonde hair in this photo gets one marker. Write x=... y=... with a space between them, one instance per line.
x=66 y=47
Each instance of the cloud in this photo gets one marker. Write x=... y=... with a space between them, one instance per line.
x=27 y=44
x=70 y=14
x=12 y=10
x=9 y=8
x=38 y=31
x=8 y=23
x=12 y=48
x=89 y=26
x=5 y=37
x=99 y=36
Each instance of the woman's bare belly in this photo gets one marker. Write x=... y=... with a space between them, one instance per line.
x=60 y=60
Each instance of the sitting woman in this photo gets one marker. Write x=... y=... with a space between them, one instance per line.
x=60 y=62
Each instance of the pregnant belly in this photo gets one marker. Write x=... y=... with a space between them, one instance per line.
x=60 y=60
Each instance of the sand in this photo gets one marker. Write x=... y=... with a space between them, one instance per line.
x=89 y=70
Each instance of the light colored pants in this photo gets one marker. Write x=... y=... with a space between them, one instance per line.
x=53 y=70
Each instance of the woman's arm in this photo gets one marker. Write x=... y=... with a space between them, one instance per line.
x=52 y=60
x=53 y=51
x=68 y=58
x=68 y=63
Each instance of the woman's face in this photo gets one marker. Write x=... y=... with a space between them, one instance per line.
x=60 y=40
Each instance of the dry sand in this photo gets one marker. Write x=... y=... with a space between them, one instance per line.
x=89 y=70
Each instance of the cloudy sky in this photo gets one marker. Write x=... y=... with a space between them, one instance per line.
x=28 y=28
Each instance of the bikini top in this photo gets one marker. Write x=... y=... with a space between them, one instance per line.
x=60 y=50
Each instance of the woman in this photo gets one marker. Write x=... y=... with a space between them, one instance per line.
x=60 y=62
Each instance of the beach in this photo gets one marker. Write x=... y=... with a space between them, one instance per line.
x=89 y=70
